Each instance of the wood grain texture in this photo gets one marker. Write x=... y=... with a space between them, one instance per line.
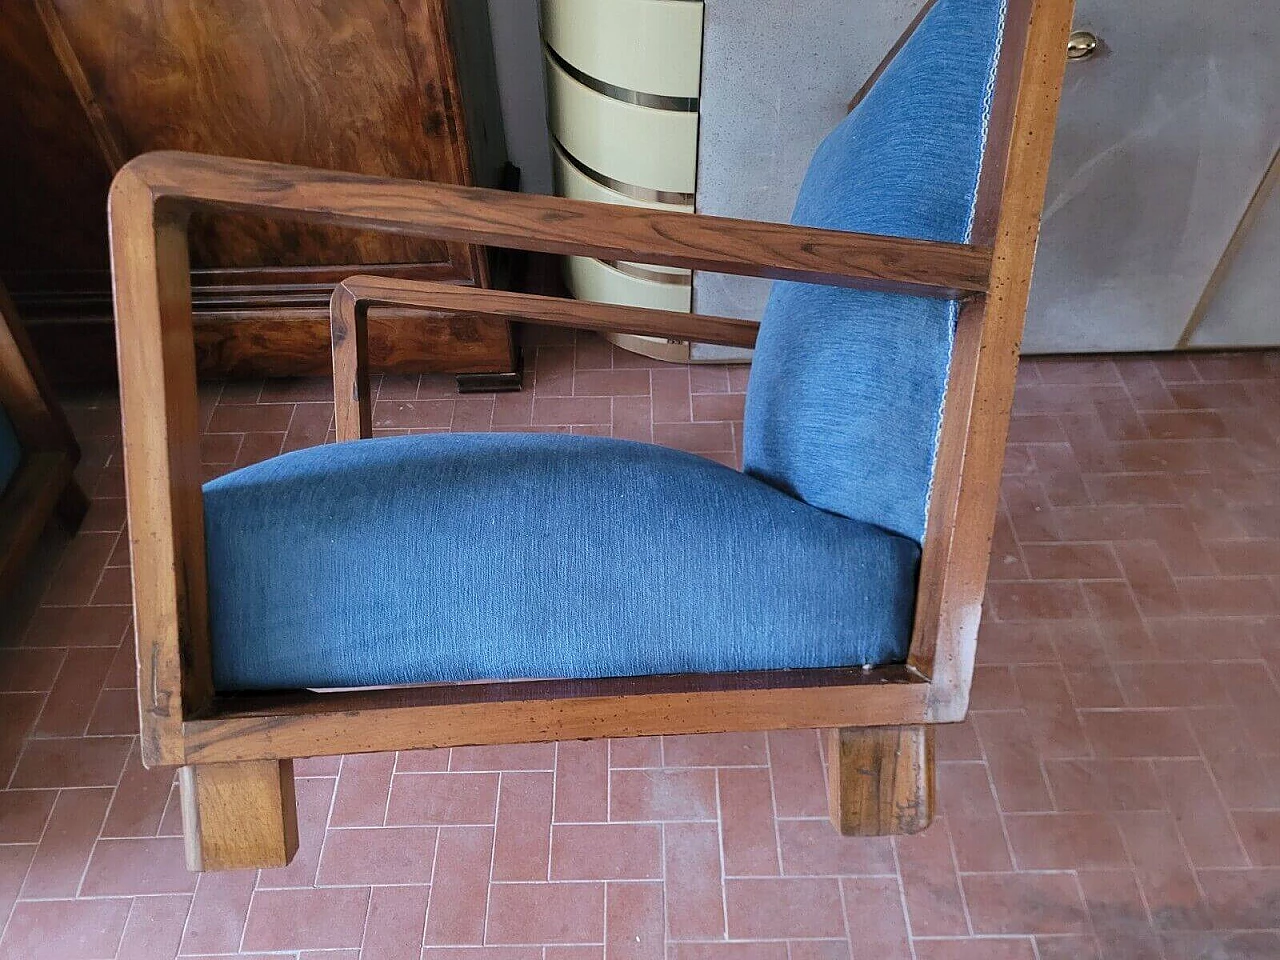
x=880 y=781
x=374 y=86
x=975 y=424
x=303 y=724
x=155 y=348
x=50 y=151
x=358 y=85
x=561 y=226
x=238 y=816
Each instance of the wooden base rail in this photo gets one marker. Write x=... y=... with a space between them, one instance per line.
x=237 y=748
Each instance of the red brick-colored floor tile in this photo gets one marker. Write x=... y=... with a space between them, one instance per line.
x=64 y=930
x=729 y=951
x=306 y=919
x=218 y=912
x=874 y=917
x=459 y=886
x=798 y=781
x=987 y=948
x=766 y=908
x=1260 y=833
x=1065 y=841
x=930 y=885
x=443 y=798
x=360 y=857
x=1026 y=903
x=137 y=867
x=66 y=844
x=812 y=848
x=546 y=913
x=522 y=841
x=154 y=928
x=393 y=930
x=662 y=795
x=634 y=922
x=582 y=782
x=24 y=813
x=694 y=886
x=747 y=827
x=606 y=851
x=1139 y=733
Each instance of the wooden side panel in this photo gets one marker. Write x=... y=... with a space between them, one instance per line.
x=345 y=86
x=51 y=168
x=239 y=816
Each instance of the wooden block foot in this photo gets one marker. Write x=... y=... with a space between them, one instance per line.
x=880 y=780
x=239 y=815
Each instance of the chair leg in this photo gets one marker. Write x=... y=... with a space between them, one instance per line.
x=239 y=815
x=880 y=780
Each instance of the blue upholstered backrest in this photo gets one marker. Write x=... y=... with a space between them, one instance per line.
x=10 y=451
x=846 y=390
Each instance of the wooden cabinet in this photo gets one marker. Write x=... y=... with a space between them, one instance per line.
x=400 y=88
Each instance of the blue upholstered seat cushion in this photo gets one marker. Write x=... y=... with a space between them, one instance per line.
x=501 y=556
x=846 y=389
x=10 y=451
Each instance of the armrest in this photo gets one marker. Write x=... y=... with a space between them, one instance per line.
x=151 y=201
x=182 y=182
x=354 y=296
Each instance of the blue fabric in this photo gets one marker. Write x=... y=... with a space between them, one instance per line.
x=501 y=556
x=10 y=451
x=846 y=388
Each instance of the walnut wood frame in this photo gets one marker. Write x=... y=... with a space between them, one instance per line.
x=43 y=484
x=183 y=719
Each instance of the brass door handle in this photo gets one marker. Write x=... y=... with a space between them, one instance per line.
x=1082 y=45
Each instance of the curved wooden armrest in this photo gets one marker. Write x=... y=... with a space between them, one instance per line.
x=354 y=296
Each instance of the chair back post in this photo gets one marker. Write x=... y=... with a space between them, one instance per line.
x=979 y=395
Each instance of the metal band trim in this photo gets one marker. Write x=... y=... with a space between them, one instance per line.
x=646 y=194
x=638 y=272
x=654 y=101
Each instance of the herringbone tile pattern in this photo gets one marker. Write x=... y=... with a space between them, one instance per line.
x=1115 y=793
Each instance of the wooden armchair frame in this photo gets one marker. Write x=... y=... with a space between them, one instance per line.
x=43 y=484
x=236 y=751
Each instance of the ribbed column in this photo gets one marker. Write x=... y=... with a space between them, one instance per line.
x=623 y=78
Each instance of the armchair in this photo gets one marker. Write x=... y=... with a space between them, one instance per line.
x=847 y=581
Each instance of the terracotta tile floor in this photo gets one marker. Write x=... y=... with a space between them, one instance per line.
x=1115 y=793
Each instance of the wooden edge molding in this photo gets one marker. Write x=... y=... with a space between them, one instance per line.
x=474 y=215
x=429 y=717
